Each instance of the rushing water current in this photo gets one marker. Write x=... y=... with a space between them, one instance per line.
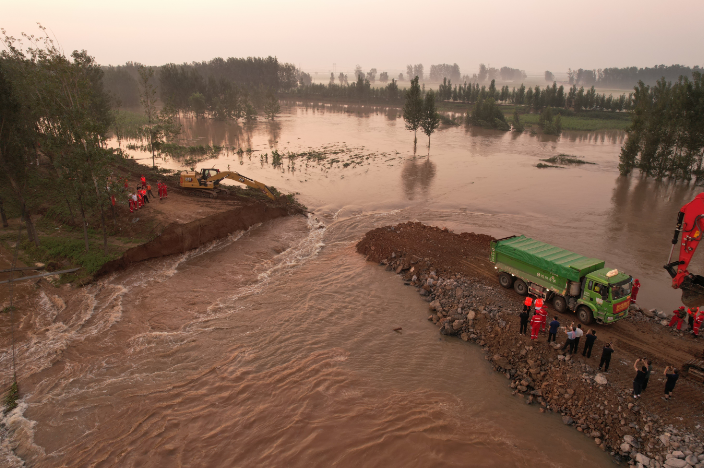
x=275 y=346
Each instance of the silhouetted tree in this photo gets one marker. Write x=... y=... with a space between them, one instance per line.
x=413 y=108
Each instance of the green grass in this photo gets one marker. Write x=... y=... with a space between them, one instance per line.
x=585 y=123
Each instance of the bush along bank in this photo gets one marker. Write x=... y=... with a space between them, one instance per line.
x=543 y=375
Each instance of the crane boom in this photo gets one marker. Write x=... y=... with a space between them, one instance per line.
x=690 y=221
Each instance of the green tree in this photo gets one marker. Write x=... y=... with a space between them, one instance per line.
x=430 y=119
x=196 y=102
x=147 y=98
x=517 y=124
x=413 y=109
x=272 y=106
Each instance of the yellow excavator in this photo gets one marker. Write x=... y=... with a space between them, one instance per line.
x=208 y=180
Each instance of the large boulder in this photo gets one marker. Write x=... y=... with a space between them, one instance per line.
x=640 y=458
x=675 y=463
x=600 y=379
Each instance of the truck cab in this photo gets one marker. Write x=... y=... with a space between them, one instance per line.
x=570 y=281
x=607 y=295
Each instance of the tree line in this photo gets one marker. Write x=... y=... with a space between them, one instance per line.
x=666 y=136
x=225 y=88
x=627 y=76
x=55 y=117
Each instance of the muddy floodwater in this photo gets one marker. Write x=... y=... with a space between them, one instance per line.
x=275 y=346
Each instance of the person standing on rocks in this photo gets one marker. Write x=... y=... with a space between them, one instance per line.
x=671 y=374
x=641 y=371
x=634 y=291
x=606 y=357
x=542 y=312
x=524 y=321
x=678 y=317
x=570 y=338
x=649 y=364
x=698 y=323
x=552 y=332
x=692 y=313
x=589 y=344
x=535 y=326
x=578 y=332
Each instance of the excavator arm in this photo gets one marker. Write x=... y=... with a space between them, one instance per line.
x=242 y=179
x=690 y=222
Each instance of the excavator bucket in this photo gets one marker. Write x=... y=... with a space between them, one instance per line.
x=693 y=292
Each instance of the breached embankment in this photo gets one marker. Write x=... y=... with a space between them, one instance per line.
x=453 y=273
x=178 y=238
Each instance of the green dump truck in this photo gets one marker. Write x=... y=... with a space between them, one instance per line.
x=572 y=282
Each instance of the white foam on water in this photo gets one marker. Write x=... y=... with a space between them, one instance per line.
x=17 y=438
x=293 y=257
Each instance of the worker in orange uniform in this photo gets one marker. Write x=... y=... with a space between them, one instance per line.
x=678 y=318
x=149 y=191
x=527 y=304
x=634 y=291
x=535 y=326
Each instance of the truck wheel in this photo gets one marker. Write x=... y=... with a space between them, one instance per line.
x=585 y=315
x=520 y=287
x=505 y=280
x=559 y=303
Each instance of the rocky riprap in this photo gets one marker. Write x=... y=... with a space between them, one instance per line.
x=542 y=374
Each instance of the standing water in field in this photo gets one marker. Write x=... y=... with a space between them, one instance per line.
x=275 y=346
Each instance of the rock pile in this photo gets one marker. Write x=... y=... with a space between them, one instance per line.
x=542 y=374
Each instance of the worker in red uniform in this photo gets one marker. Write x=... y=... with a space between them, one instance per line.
x=698 y=323
x=634 y=291
x=159 y=189
x=692 y=312
x=163 y=189
x=678 y=318
x=130 y=197
x=127 y=184
x=542 y=312
x=144 y=181
x=535 y=326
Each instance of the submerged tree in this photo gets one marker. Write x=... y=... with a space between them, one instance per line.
x=430 y=119
x=517 y=124
x=272 y=106
x=413 y=108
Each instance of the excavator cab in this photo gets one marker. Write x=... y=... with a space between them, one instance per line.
x=205 y=174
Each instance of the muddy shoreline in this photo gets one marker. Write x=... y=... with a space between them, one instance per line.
x=453 y=274
x=178 y=238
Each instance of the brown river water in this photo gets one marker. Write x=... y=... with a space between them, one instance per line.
x=275 y=346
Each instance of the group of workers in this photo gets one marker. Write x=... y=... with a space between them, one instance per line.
x=142 y=193
x=695 y=318
x=643 y=366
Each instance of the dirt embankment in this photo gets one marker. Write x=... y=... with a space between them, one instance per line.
x=178 y=238
x=453 y=273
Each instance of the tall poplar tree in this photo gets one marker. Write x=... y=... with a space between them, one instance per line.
x=413 y=108
x=430 y=119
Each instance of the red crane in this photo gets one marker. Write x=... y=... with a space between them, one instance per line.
x=690 y=221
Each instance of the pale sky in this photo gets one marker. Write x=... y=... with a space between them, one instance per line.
x=313 y=34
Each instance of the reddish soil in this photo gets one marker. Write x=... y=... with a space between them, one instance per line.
x=414 y=249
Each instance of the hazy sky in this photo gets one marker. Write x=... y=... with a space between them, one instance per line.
x=530 y=35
